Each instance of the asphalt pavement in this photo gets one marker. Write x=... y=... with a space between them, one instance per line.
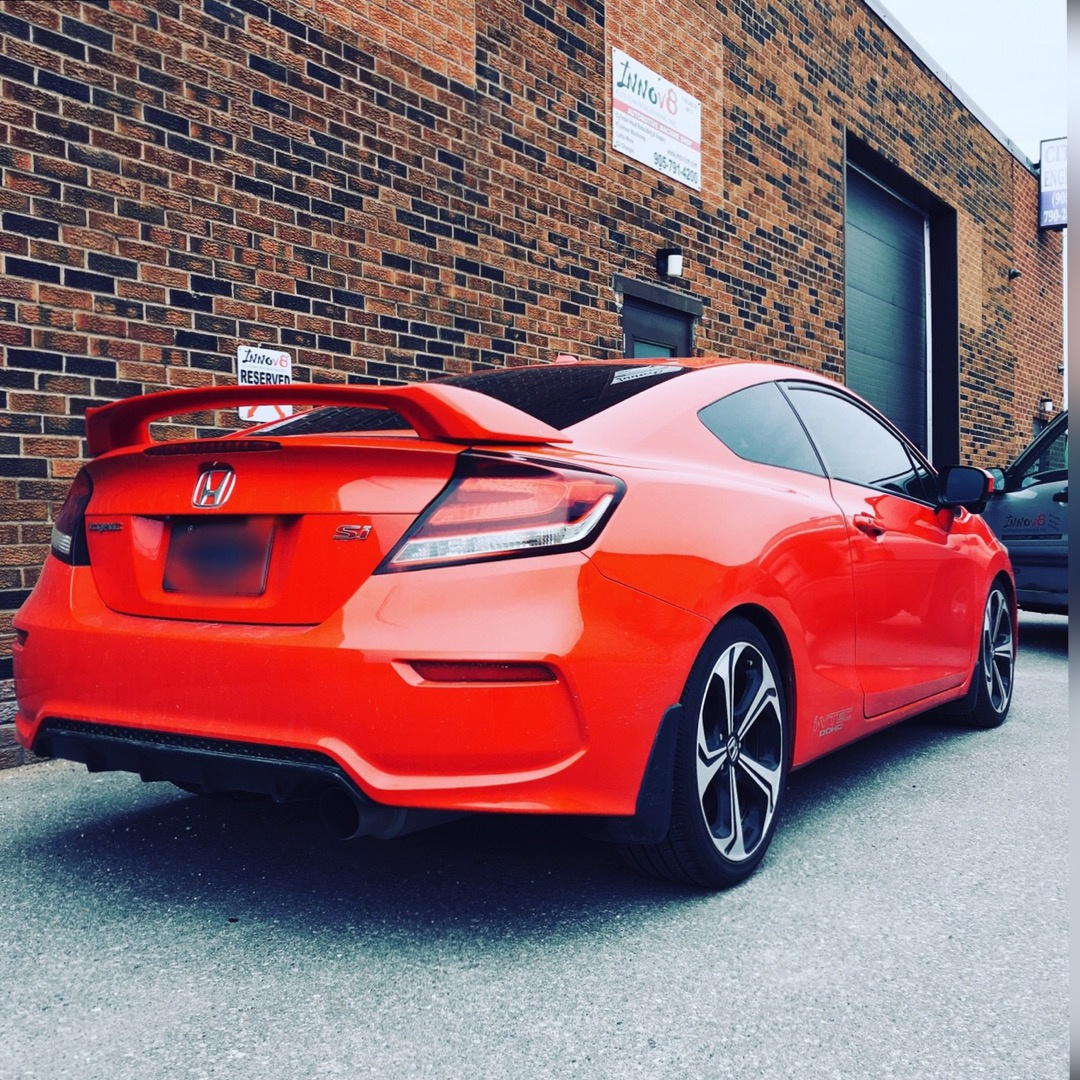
x=910 y=921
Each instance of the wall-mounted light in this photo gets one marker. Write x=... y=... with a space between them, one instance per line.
x=669 y=262
x=1046 y=404
x=1013 y=274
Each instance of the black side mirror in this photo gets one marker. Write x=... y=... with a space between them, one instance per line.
x=966 y=486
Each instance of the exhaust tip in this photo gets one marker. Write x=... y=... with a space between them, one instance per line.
x=347 y=816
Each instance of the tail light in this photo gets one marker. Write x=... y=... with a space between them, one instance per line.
x=498 y=508
x=68 y=541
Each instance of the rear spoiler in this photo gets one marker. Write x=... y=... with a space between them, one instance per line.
x=434 y=410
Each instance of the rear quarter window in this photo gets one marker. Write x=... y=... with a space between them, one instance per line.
x=759 y=425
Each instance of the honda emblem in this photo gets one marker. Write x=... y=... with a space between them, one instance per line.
x=213 y=487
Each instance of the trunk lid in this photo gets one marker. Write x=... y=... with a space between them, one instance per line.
x=259 y=530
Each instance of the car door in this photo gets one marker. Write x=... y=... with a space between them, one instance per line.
x=914 y=583
x=1031 y=518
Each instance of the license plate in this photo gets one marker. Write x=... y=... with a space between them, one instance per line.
x=219 y=558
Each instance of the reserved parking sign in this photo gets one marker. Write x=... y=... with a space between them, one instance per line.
x=263 y=367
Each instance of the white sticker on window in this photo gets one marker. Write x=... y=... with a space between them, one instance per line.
x=642 y=372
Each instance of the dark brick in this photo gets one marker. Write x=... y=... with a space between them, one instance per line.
x=219 y=11
x=298 y=339
x=114 y=389
x=269 y=103
x=153 y=77
x=108 y=264
x=253 y=7
x=328 y=209
x=323 y=75
x=268 y=67
x=35 y=359
x=66 y=129
x=94 y=159
x=47 y=80
x=16 y=69
x=31 y=226
x=115 y=103
x=84 y=32
x=271 y=138
x=187 y=339
x=141 y=212
x=49 y=39
x=80 y=279
x=215 y=324
x=191 y=148
x=290 y=302
x=88 y=365
x=260 y=188
x=23 y=466
x=169 y=120
x=349 y=299
x=14 y=27
x=36 y=271
x=216 y=286
x=290 y=26
x=335 y=345
x=180 y=299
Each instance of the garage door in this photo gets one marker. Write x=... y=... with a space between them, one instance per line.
x=887 y=316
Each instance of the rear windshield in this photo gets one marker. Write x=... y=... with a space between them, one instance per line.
x=560 y=395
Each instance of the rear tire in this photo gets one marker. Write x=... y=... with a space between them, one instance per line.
x=731 y=764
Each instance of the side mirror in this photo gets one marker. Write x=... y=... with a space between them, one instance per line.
x=966 y=486
x=998 y=477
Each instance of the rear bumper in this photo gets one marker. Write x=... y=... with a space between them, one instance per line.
x=174 y=700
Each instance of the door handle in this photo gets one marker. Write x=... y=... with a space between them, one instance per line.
x=1062 y=496
x=869 y=524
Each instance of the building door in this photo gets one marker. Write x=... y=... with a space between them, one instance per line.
x=887 y=314
x=653 y=330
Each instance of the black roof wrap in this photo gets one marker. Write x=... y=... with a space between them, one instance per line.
x=557 y=394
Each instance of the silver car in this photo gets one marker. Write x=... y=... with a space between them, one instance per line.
x=1029 y=511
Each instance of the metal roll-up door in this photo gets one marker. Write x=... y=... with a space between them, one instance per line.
x=886 y=269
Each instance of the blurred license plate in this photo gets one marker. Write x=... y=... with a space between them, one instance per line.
x=219 y=558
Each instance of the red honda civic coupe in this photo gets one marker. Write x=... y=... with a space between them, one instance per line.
x=633 y=592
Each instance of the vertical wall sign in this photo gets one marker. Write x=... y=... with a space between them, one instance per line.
x=1053 y=184
x=263 y=367
x=654 y=122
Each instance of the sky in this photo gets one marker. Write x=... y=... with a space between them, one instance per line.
x=1009 y=57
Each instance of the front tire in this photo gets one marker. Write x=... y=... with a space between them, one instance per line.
x=731 y=764
x=988 y=701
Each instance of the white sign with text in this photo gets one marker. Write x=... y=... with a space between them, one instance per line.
x=1053 y=184
x=263 y=367
x=655 y=122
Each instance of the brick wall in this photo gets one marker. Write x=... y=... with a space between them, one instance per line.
x=391 y=191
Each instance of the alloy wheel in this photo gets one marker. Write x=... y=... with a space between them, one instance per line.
x=740 y=751
x=998 y=654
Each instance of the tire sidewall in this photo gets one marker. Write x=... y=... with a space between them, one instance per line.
x=688 y=829
x=984 y=714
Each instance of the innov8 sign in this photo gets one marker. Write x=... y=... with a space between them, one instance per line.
x=263 y=367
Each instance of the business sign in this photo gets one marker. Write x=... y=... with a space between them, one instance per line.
x=654 y=122
x=263 y=367
x=1053 y=184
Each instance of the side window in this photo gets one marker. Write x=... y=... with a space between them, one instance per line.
x=758 y=424
x=857 y=447
x=1042 y=462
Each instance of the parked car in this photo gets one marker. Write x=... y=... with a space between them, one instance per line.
x=636 y=593
x=1029 y=511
